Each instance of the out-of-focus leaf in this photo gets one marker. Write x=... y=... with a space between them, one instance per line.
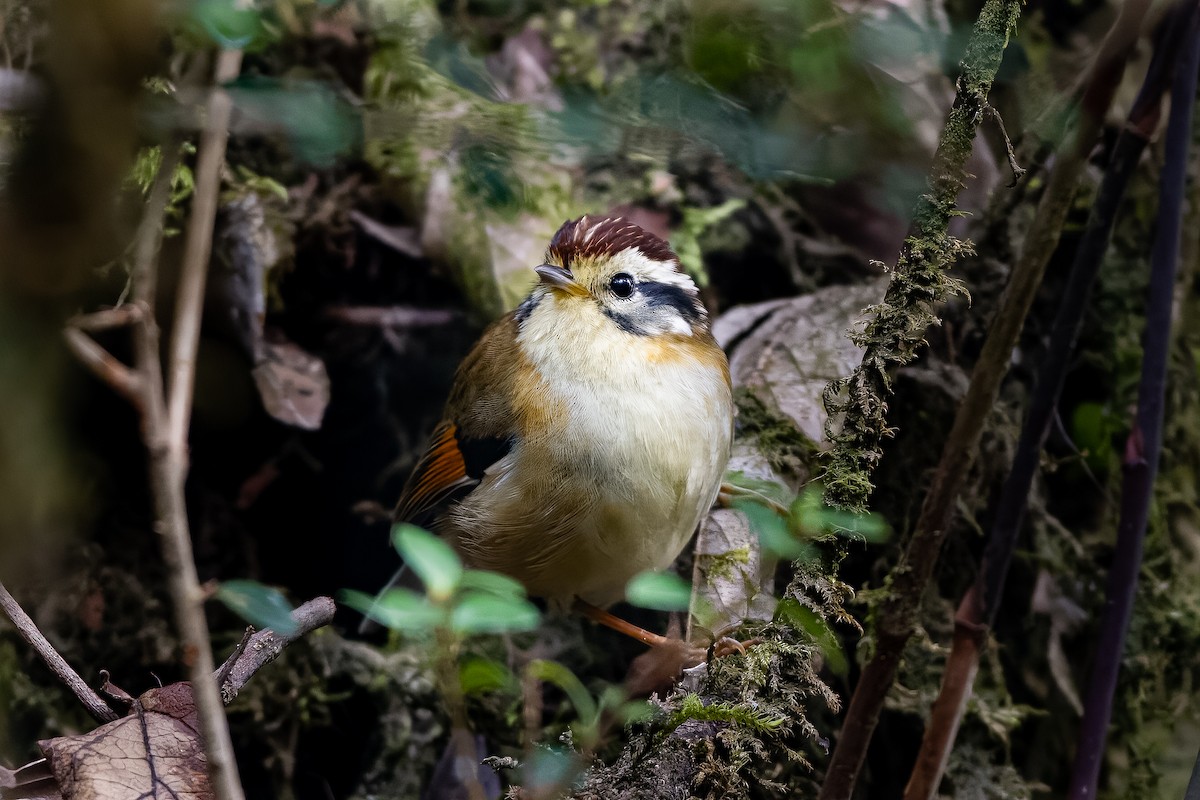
x=772 y=532
x=490 y=583
x=398 y=609
x=805 y=619
x=547 y=772
x=477 y=612
x=319 y=124
x=563 y=678
x=1092 y=429
x=664 y=591
x=261 y=606
x=232 y=25
x=478 y=675
x=434 y=561
x=810 y=514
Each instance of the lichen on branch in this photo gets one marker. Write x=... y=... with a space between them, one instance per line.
x=896 y=328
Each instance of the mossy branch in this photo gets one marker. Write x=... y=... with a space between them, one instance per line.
x=919 y=281
x=897 y=616
x=977 y=611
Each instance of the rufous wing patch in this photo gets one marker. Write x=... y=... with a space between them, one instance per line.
x=440 y=475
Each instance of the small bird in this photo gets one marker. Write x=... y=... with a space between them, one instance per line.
x=588 y=431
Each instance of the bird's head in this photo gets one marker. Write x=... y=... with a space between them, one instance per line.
x=612 y=267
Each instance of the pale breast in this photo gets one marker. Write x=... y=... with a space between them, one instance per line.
x=614 y=480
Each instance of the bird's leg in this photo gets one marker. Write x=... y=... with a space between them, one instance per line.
x=599 y=615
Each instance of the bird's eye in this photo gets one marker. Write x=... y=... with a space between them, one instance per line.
x=621 y=284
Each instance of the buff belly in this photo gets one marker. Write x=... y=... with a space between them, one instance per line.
x=572 y=521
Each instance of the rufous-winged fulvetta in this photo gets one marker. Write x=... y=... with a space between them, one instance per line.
x=588 y=430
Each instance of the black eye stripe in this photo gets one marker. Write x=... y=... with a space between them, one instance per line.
x=678 y=298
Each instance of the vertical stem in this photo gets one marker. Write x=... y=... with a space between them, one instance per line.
x=185 y=336
x=1144 y=445
x=166 y=438
x=897 y=616
x=977 y=611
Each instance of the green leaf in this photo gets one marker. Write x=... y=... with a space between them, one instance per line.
x=477 y=612
x=478 y=675
x=772 y=532
x=555 y=673
x=230 y=25
x=491 y=583
x=664 y=591
x=549 y=772
x=398 y=609
x=261 y=606
x=434 y=561
x=804 y=619
x=810 y=514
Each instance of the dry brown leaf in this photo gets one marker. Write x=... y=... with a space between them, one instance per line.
x=154 y=752
x=788 y=351
x=34 y=781
x=293 y=384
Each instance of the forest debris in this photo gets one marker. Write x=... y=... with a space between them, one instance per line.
x=154 y=752
x=34 y=781
x=293 y=384
x=729 y=582
x=403 y=239
x=1065 y=618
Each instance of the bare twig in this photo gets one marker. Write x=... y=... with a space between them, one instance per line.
x=58 y=665
x=1144 y=445
x=166 y=433
x=263 y=647
x=1018 y=172
x=104 y=365
x=185 y=335
x=106 y=319
x=389 y=316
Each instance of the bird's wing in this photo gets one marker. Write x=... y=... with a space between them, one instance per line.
x=477 y=431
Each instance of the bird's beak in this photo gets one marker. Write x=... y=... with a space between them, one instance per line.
x=559 y=278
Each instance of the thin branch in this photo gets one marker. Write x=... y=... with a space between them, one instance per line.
x=1145 y=440
x=1018 y=172
x=977 y=611
x=58 y=665
x=106 y=319
x=265 y=646
x=897 y=615
x=389 y=316
x=166 y=438
x=167 y=443
x=185 y=336
x=104 y=365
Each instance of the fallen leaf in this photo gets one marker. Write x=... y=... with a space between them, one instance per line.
x=154 y=752
x=786 y=352
x=293 y=384
x=34 y=781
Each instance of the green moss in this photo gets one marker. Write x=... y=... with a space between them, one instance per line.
x=728 y=564
x=693 y=707
x=786 y=448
